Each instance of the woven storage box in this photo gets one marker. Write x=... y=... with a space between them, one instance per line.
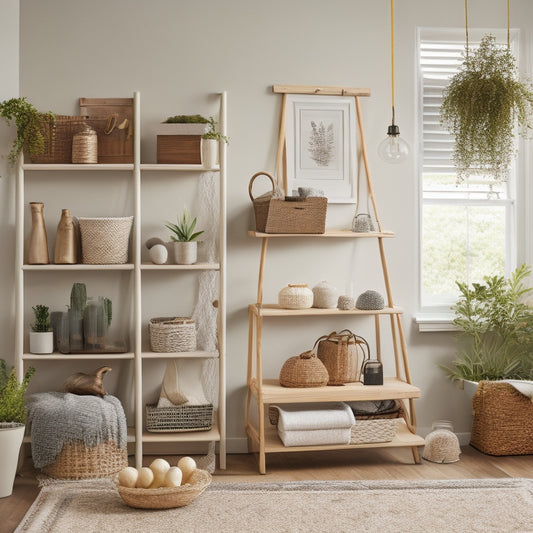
x=179 y=418
x=172 y=334
x=503 y=420
x=291 y=215
x=304 y=370
x=58 y=138
x=105 y=240
x=77 y=461
x=374 y=430
x=295 y=297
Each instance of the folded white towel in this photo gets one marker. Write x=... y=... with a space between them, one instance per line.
x=315 y=437
x=312 y=416
x=523 y=386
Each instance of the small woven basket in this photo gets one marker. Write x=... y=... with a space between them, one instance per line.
x=166 y=497
x=179 y=418
x=105 y=240
x=325 y=295
x=295 y=297
x=172 y=334
x=374 y=430
x=77 y=461
x=304 y=370
x=503 y=420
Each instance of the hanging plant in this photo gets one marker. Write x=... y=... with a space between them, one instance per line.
x=482 y=105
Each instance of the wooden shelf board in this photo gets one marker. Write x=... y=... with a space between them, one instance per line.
x=178 y=168
x=76 y=356
x=71 y=167
x=180 y=355
x=392 y=388
x=195 y=266
x=275 y=310
x=79 y=266
x=321 y=89
x=186 y=436
x=331 y=233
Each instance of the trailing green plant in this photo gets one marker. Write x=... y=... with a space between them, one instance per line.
x=482 y=105
x=42 y=319
x=212 y=132
x=183 y=231
x=12 y=405
x=186 y=119
x=496 y=329
x=27 y=119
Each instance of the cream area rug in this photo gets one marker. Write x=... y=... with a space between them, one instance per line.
x=499 y=505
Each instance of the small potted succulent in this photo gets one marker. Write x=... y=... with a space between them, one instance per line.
x=12 y=423
x=210 y=142
x=41 y=335
x=184 y=238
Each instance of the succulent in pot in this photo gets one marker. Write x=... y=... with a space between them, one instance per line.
x=184 y=237
x=210 y=142
x=41 y=334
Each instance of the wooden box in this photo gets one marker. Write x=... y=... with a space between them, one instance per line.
x=180 y=143
x=112 y=118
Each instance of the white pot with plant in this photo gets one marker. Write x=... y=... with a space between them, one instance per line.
x=41 y=336
x=184 y=239
x=12 y=424
x=210 y=143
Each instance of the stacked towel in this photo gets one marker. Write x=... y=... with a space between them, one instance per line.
x=315 y=423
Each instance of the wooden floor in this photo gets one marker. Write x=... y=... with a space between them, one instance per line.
x=342 y=465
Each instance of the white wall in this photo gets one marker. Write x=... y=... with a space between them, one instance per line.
x=176 y=53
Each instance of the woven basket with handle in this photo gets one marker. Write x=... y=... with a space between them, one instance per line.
x=304 y=370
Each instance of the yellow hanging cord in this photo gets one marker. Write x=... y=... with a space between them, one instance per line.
x=466 y=25
x=508 y=24
x=392 y=54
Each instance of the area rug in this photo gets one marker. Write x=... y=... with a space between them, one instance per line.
x=499 y=505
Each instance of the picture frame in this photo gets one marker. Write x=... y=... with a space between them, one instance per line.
x=320 y=146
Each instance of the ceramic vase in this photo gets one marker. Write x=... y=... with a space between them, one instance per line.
x=66 y=250
x=11 y=435
x=209 y=153
x=185 y=253
x=38 y=249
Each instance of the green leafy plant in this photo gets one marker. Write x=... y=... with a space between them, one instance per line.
x=27 y=119
x=186 y=119
x=42 y=319
x=183 y=231
x=212 y=132
x=12 y=406
x=496 y=329
x=482 y=105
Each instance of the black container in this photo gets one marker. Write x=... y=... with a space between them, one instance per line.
x=372 y=372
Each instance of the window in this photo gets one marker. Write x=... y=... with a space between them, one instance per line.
x=467 y=230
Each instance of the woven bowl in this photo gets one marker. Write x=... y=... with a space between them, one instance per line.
x=166 y=497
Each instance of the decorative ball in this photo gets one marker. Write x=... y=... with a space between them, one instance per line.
x=345 y=303
x=158 y=254
x=370 y=300
x=188 y=466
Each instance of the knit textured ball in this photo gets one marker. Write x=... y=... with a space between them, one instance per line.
x=345 y=303
x=370 y=300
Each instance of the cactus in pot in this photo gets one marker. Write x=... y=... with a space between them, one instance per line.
x=78 y=302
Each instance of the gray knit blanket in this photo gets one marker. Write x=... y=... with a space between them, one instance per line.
x=56 y=418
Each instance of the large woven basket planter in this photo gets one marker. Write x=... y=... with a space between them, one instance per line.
x=503 y=420
x=172 y=334
x=105 y=240
x=77 y=461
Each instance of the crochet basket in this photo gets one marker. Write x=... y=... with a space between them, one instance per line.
x=179 y=418
x=172 y=334
x=105 y=240
x=304 y=370
x=295 y=297
x=503 y=420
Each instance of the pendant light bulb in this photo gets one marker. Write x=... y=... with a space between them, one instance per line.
x=393 y=149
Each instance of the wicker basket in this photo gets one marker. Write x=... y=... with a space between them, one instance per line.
x=166 y=497
x=304 y=370
x=105 y=240
x=77 y=461
x=295 y=297
x=179 y=418
x=172 y=334
x=58 y=138
x=374 y=430
x=503 y=420
x=292 y=215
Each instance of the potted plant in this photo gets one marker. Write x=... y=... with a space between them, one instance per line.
x=12 y=424
x=210 y=142
x=27 y=120
x=41 y=335
x=183 y=236
x=482 y=105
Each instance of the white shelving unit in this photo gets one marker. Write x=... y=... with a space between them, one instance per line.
x=139 y=358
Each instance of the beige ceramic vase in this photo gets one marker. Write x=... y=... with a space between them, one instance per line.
x=38 y=249
x=66 y=249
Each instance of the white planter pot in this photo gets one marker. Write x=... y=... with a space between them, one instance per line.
x=209 y=153
x=11 y=436
x=41 y=342
x=185 y=253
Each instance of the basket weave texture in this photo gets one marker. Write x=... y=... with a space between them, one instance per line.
x=85 y=146
x=77 y=461
x=166 y=497
x=105 y=240
x=373 y=430
x=172 y=334
x=503 y=420
x=304 y=370
x=295 y=297
x=58 y=138
x=273 y=215
x=179 y=418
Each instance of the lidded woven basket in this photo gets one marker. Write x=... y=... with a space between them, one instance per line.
x=304 y=370
x=325 y=295
x=172 y=334
x=295 y=297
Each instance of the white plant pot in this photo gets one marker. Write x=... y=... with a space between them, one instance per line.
x=41 y=342
x=185 y=253
x=209 y=153
x=11 y=435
